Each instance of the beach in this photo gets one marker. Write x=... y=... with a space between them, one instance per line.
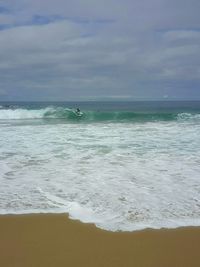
x=55 y=240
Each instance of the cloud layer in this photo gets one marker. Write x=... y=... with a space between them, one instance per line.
x=67 y=50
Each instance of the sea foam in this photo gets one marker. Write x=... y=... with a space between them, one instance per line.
x=120 y=176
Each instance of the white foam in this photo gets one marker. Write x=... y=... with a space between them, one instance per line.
x=118 y=176
x=23 y=114
x=188 y=117
x=16 y=114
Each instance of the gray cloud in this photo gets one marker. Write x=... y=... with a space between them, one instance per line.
x=139 y=49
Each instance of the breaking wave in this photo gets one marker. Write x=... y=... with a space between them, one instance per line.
x=93 y=116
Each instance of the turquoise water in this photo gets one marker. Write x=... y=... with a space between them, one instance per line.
x=100 y=111
x=121 y=165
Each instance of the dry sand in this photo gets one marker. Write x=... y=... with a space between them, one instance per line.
x=55 y=240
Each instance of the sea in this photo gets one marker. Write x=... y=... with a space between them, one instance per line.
x=123 y=166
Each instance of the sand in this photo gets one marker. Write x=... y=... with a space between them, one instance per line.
x=55 y=240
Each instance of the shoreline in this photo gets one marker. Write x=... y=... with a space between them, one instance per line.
x=55 y=240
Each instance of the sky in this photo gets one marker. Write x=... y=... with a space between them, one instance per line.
x=60 y=50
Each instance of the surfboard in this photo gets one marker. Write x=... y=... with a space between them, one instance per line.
x=78 y=114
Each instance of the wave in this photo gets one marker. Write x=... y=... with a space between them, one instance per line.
x=93 y=116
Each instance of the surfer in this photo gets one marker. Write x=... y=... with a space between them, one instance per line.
x=78 y=111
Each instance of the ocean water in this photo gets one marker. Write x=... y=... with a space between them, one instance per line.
x=124 y=166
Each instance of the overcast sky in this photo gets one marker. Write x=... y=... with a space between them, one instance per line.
x=99 y=49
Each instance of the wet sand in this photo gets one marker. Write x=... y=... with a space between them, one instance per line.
x=55 y=240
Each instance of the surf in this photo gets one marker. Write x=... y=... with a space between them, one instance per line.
x=69 y=115
x=121 y=168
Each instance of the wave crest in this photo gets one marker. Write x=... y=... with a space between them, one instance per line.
x=93 y=116
x=188 y=116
